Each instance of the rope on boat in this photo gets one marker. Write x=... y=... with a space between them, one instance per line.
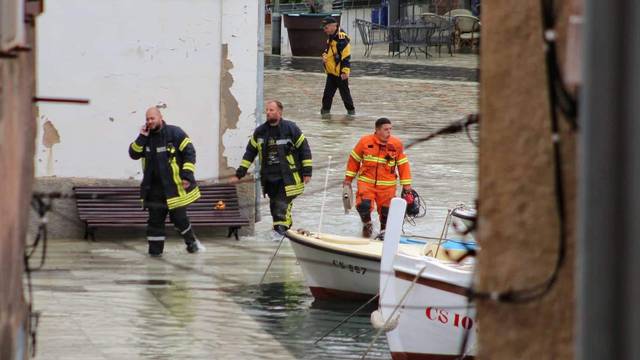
x=392 y=317
x=271 y=261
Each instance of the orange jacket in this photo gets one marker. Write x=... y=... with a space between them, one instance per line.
x=379 y=164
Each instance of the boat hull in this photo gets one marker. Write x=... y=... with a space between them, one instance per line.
x=334 y=274
x=436 y=318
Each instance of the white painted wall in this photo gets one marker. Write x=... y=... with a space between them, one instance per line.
x=128 y=55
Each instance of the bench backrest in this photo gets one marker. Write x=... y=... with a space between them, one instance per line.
x=123 y=200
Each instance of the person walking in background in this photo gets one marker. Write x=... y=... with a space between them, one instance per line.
x=376 y=161
x=168 y=182
x=286 y=164
x=337 y=65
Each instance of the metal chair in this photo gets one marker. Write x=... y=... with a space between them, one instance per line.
x=444 y=32
x=468 y=30
x=458 y=12
x=368 y=32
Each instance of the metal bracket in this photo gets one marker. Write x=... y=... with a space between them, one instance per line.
x=61 y=100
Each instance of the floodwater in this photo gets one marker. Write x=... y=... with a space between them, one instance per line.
x=371 y=68
x=444 y=169
x=108 y=300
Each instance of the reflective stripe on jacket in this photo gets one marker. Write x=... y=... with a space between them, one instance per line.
x=379 y=164
x=175 y=160
x=338 y=54
x=294 y=154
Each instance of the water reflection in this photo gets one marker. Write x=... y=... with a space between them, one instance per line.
x=289 y=313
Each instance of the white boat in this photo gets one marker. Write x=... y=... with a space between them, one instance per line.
x=348 y=268
x=422 y=305
x=341 y=267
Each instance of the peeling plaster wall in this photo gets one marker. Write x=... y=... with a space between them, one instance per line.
x=125 y=56
x=238 y=108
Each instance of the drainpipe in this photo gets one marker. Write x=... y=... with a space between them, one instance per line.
x=608 y=316
x=393 y=11
x=276 y=21
x=260 y=94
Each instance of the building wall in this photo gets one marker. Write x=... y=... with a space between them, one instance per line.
x=196 y=60
x=125 y=56
x=17 y=131
x=239 y=61
x=519 y=223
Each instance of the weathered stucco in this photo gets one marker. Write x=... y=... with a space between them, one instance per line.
x=241 y=22
x=124 y=57
x=518 y=227
x=229 y=110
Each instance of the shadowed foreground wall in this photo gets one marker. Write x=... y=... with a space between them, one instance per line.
x=17 y=132
x=519 y=224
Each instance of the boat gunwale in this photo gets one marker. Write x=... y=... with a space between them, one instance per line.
x=299 y=239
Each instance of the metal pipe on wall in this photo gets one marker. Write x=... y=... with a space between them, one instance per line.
x=259 y=94
x=276 y=23
x=394 y=11
x=608 y=321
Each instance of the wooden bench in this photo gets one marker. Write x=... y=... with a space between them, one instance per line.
x=120 y=206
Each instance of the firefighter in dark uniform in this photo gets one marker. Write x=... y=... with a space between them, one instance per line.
x=337 y=64
x=168 y=184
x=285 y=159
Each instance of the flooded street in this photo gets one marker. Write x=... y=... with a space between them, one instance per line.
x=108 y=300
x=444 y=169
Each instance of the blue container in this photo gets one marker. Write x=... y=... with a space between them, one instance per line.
x=375 y=15
x=384 y=15
x=380 y=15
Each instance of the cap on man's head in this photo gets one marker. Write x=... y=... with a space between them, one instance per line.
x=328 y=20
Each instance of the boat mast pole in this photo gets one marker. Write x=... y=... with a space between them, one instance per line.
x=324 y=196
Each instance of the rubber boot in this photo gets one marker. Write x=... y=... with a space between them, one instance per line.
x=367 y=230
x=156 y=248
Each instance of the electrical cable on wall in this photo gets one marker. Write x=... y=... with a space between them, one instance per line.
x=566 y=104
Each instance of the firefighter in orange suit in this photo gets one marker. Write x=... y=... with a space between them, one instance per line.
x=378 y=161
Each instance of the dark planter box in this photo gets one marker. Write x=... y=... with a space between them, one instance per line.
x=305 y=33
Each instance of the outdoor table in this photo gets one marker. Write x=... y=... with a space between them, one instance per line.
x=412 y=36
